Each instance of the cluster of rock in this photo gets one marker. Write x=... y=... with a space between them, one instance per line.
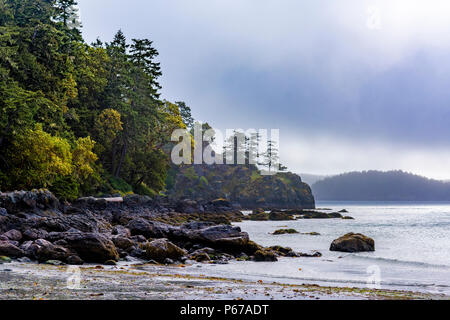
x=293 y=214
x=34 y=225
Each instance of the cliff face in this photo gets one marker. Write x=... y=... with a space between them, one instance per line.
x=240 y=184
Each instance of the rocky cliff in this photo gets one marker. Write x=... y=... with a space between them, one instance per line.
x=243 y=185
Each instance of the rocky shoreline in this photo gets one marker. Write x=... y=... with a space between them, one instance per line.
x=35 y=226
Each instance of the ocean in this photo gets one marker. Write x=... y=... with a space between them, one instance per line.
x=412 y=248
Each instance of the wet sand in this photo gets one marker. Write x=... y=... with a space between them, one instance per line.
x=31 y=281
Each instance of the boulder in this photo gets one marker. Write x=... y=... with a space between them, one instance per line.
x=353 y=242
x=34 y=234
x=10 y=250
x=91 y=247
x=13 y=235
x=43 y=250
x=149 y=229
x=225 y=237
x=265 y=256
x=162 y=249
x=280 y=216
x=122 y=242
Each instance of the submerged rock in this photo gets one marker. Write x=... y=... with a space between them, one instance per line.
x=353 y=242
x=285 y=231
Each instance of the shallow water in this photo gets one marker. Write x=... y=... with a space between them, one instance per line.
x=412 y=248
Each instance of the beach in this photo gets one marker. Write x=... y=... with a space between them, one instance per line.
x=27 y=281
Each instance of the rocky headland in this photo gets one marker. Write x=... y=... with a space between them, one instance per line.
x=36 y=226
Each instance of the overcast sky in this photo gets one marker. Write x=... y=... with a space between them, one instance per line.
x=352 y=85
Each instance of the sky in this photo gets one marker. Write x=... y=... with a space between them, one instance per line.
x=351 y=85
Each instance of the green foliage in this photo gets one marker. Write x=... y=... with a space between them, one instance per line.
x=144 y=190
x=79 y=118
x=65 y=187
x=37 y=159
x=117 y=184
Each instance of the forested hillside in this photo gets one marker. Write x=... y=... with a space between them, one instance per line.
x=381 y=186
x=79 y=118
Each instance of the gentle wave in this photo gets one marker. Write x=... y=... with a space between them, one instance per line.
x=342 y=282
x=407 y=262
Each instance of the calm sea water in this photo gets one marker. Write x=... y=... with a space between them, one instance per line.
x=412 y=248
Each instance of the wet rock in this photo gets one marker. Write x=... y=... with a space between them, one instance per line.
x=284 y=231
x=3 y=212
x=200 y=256
x=314 y=254
x=168 y=261
x=17 y=201
x=137 y=253
x=225 y=237
x=335 y=215
x=110 y=263
x=280 y=216
x=75 y=260
x=353 y=242
x=122 y=242
x=265 y=256
x=148 y=229
x=121 y=231
x=25 y=260
x=34 y=234
x=139 y=239
x=10 y=250
x=13 y=234
x=162 y=249
x=343 y=211
x=54 y=262
x=348 y=218
x=91 y=247
x=283 y=251
x=261 y=216
x=43 y=250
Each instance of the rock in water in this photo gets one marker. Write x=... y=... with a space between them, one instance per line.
x=162 y=249
x=353 y=242
x=265 y=256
